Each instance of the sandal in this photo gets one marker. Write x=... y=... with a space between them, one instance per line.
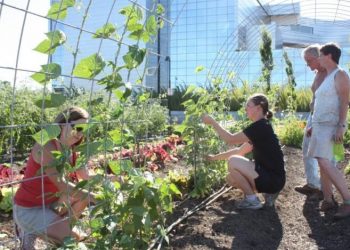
x=328 y=205
x=343 y=211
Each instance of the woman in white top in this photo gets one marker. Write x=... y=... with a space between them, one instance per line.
x=329 y=123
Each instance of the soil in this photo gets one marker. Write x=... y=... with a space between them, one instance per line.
x=295 y=223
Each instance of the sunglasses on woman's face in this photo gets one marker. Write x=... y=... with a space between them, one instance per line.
x=78 y=129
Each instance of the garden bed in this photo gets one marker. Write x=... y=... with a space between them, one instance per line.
x=294 y=224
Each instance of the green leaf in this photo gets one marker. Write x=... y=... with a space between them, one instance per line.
x=126 y=165
x=180 y=128
x=81 y=184
x=6 y=195
x=47 y=134
x=199 y=69
x=160 y=23
x=231 y=75
x=117 y=112
x=116 y=136
x=151 y=25
x=52 y=69
x=132 y=12
x=58 y=11
x=174 y=189
x=89 y=67
x=51 y=101
x=160 y=9
x=139 y=34
x=107 y=145
x=112 y=81
x=190 y=90
x=217 y=81
x=55 y=39
x=134 y=57
x=134 y=26
x=144 y=97
x=129 y=228
x=147 y=221
x=115 y=167
x=118 y=93
x=90 y=148
x=47 y=72
x=105 y=31
x=123 y=94
x=96 y=224
x=69 y=3
x=96 y=101
x=149 y=194
x=138 y=210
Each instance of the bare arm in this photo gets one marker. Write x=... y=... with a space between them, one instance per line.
x=229 y=138
x=342 y=85
x=84 y=174
x=319 y=77
x=44 y=157
x=242 y=150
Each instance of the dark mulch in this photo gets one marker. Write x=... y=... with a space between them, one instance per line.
x=295 y=223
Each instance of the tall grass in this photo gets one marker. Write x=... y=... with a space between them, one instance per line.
x=241 y=93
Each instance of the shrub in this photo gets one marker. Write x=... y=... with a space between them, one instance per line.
x=291 y=131
x=23 y=120
x=146 y=119
x=304 y=97
x=27 y=117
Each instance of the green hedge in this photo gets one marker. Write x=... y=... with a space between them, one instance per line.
x=146 y=119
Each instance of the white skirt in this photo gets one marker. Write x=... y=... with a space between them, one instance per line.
x=322 y=141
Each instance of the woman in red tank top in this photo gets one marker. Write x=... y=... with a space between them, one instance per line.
x=45 y=198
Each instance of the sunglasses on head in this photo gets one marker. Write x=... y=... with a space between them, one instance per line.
x=78 y=129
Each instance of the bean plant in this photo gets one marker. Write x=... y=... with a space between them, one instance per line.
x=129 y=214
x=201 y=140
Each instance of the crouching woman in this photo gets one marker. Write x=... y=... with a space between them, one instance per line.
x=266 y=174
x=41 y=202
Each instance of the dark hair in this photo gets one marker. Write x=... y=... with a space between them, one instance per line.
x=71 y=114
x=261 y=100
x=333 y=49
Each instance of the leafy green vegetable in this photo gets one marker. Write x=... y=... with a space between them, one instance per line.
x=7 y=197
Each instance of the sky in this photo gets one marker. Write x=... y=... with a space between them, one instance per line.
x=34 y=29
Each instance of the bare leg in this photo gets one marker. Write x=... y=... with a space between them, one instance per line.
x=334 y=177
x=230 y=181
x=75 y=206
x=242 y=174
x=326 y=186
x=59 y=230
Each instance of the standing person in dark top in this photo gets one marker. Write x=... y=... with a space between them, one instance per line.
x=266 y=173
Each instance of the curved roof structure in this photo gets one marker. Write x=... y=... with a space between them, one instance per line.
x=292 y=24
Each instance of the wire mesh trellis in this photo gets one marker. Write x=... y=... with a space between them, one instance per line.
x=80 y=29
x=228 y=60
